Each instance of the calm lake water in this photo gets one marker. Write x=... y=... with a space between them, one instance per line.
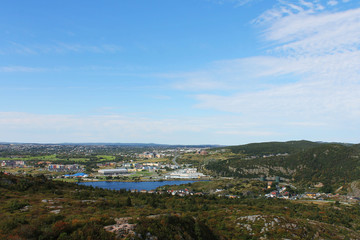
x=133 y=185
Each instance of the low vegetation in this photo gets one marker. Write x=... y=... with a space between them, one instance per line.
x=37 y=208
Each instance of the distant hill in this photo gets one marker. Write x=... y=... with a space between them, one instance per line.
x=266 y=148
x=135 y=145
x=306 y=162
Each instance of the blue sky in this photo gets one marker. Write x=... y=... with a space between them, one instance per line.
x=180 y=72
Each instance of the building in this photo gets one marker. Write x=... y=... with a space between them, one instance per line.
x=77 y=175
x=65 y=168
x=111 y=172
x=185 y=173
x=12 y=163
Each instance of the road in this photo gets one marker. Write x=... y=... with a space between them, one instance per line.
x=174 y=160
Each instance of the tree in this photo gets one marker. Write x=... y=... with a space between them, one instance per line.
x=128 y=202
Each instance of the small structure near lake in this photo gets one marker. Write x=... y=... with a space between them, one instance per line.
x=111 y=172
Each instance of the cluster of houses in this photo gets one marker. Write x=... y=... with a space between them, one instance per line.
x=65 y=168
x=184 y=192
x=284 y=194
x=320 y=196
x=134 y=167
x=172 y=152
x=137 y=167
x=202 y=152
x=185 y=173
x=181 y=192
x=106 y=164
x=151 y=155
x=12 y=163
x=279 y=193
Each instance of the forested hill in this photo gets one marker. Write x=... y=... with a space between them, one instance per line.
x=266 y=148
x=331 y=164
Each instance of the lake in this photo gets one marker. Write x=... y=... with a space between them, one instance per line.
x=133 y=185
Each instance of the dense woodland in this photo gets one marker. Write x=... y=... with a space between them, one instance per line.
x=266 y=148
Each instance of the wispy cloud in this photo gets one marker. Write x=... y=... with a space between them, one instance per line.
x=309 y=34
x=18 y=48
x=66 y=47
x=59 y=48
x=119 y=128
x=12 y=69
x=286 y=8
x=248 y=133
x=219 y=75
x=332 y=2
x=310 y=74
x=237 y=3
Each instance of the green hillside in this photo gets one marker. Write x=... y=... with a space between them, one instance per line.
x=266 y=148
x=331 y=164
x=36 y=208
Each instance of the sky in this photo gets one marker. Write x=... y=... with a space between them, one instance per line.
x=223 y=72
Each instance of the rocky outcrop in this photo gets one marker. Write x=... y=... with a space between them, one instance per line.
x=354 y=189
x=122 y=228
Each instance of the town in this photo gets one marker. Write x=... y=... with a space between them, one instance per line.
x=95 y=163
x=92 y=163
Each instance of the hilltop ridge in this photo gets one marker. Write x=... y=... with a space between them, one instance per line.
x=303 y=162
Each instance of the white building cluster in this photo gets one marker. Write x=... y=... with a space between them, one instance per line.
x=111 y=172
x=185 y=173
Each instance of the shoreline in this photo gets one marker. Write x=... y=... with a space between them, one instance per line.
x=146 y=180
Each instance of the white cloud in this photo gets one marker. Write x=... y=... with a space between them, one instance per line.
x=309 y=78
x=301 y=101
x=248 y=133
x=238 y=3
x=305 y=86
x=59 y=47
x=242 y=2
x=316 y=34
x=27 y=127
x=332 y=2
